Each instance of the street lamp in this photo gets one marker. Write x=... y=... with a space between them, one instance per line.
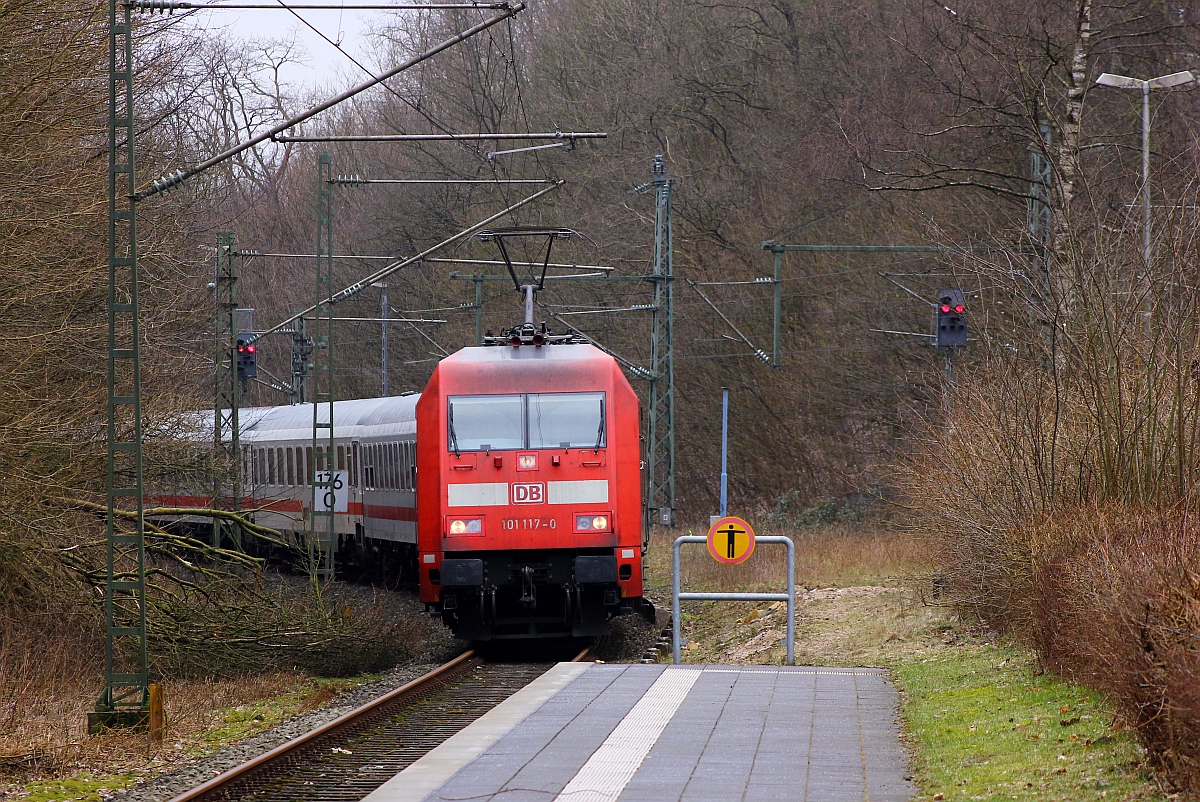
x=1145 y=87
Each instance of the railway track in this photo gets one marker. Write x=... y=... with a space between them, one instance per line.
x=347 y=758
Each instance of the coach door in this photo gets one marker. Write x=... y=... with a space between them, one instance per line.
x=358 y=507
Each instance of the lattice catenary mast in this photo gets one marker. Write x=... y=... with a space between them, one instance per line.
x=660 y=439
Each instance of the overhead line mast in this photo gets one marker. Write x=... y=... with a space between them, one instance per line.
x=228 y=393
x=125 y=699
x=128 y=698
x=322 y=539
x=660 y=441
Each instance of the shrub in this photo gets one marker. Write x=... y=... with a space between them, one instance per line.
x=1120 y=611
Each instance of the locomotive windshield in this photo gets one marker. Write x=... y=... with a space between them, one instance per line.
x=566 y=420
x=486 y=422
x=537 y=420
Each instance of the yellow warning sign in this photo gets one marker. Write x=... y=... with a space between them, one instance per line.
x=730 y=540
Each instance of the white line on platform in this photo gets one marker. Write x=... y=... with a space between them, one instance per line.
x=609 y=769
x=437 y=766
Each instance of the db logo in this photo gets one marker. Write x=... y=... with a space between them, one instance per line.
x=528 y=493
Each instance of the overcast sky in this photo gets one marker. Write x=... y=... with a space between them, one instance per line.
x=344 y=27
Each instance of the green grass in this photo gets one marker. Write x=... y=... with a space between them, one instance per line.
x=982 y=726
x=250 y=719
x=82 y=787
x=234 y=724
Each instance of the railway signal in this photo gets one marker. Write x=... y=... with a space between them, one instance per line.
x=247 y=358
x=951 y=327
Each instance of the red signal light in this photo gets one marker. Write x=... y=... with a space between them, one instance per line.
x=945 y=309
x=250 y=348
x=960 y=309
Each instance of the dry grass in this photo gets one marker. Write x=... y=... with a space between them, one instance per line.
x=980 y=719
x=51 y=672
x=826 y=556
x=46 y=692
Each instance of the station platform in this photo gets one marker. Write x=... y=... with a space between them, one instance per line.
x=594 y=732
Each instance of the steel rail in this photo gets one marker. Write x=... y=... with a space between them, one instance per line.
x=365 y=715
x=460 y=663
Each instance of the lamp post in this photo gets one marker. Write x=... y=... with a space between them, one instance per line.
x=1145 y=87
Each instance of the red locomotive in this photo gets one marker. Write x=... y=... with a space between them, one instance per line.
x=514 y=495
x=529 y=518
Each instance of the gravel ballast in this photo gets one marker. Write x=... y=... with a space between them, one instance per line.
x=175 y=782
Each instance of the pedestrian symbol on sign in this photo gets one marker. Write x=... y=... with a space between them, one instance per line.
x=730 y=540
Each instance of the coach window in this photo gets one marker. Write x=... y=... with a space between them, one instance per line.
x=291 y=472
x=279 y=467
x=403 y=465
x=355 y=459
x=391 y=463
x=566 y=420
x=408 y=463
x=485 y=422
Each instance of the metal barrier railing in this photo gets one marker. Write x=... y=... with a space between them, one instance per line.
x=790 y=597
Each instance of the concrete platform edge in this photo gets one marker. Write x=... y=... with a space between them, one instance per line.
x=432 y=770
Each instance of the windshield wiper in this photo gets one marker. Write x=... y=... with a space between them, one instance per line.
x=600 y=429
x=453 y=436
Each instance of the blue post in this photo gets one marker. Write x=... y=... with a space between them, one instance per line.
x=724 y=446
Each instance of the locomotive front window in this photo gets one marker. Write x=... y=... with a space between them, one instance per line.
x=537 y=420
x=566 y=420
x=486 y=422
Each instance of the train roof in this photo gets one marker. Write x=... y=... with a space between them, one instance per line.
x=352 y=419
x=525 y=355
x=525 y=369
